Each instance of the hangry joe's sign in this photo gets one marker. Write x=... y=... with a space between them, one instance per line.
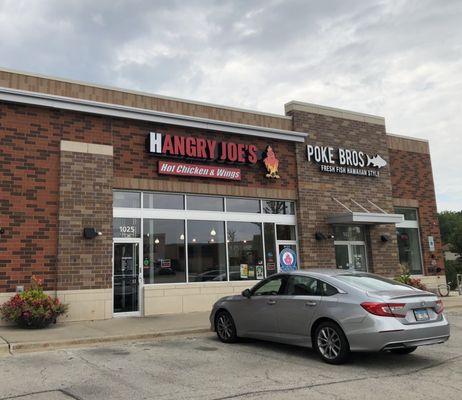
x=207 y=150
x=345 y=161
x=202 y=149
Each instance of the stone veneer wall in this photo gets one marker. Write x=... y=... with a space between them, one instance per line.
x=183 y=298
x=316 y=189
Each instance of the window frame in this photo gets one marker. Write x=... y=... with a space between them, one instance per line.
x=221 y=216
x=413 y=224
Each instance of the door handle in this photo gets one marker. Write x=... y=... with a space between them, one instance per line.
x=310 y=303
x=271 y=302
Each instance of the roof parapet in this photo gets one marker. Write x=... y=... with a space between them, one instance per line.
x=333 y=112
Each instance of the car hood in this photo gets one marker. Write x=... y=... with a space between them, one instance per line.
x=230 y=298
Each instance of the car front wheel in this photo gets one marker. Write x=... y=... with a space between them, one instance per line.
x=225 y=327
x=331 y=344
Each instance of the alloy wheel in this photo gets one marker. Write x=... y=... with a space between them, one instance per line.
x=224 y=326
x=329 y=343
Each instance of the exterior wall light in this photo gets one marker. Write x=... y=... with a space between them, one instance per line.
x=156 y=241
x=91 y=233
x=319 y=236
x=384 y=238
x=2 y=231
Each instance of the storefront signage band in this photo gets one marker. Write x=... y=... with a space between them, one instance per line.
x=345 y=161
x=201 y=149
x=201 y=171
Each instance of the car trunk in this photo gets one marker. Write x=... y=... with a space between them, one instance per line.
x=418 y=307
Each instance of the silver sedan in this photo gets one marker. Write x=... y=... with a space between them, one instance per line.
x=333 y=311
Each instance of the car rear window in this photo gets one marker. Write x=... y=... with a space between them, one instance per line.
x=367 y=282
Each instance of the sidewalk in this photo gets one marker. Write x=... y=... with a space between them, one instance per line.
x=454 y=300
x=13 y=339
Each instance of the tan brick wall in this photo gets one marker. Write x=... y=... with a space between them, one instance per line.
x=413 y=186
x=315 y=190
x=87 y=91
x=85 y=201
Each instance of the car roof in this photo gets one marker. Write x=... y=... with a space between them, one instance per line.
x=323 y=272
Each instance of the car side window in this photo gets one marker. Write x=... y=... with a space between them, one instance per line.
x=271 y=288
x=326 y=289
x=302 y=286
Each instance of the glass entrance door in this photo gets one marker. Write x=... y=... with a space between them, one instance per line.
x=350 y=247
x=351 y=255
x=126 y=277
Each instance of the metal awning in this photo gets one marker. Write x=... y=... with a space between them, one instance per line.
x=366 y=217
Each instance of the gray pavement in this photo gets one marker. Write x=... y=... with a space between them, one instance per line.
x=64 y=335
x=201 y=367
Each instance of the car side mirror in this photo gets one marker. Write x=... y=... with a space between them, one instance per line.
x=247 y=293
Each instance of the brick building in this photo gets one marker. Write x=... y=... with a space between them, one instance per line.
x=131 y=203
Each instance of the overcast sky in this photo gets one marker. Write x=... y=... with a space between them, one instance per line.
x=398 y=59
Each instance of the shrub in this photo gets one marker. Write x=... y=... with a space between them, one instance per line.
x=406 y=278
x=32 y=308
x=453 y=268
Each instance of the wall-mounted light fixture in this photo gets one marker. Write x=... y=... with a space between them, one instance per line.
x=91 y=233
x=384 y=238
x=320 y=236
x=2 y=231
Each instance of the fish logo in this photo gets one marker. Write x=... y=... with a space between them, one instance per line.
x=376 y=161
x=271 y=163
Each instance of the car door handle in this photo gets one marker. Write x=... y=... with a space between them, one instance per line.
x=310 y=303
x=271 y=302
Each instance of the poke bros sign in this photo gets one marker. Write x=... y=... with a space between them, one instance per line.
x=345 y=161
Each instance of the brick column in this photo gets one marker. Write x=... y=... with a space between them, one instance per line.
x=85 y=201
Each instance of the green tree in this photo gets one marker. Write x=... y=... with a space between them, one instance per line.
x=451 y=229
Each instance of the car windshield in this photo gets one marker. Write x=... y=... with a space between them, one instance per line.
x=368 y=282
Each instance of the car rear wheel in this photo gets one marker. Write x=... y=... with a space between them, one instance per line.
x=331 y=344
x=225 y=327
x=406 y=350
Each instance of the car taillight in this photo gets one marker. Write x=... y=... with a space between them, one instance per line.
x=439 y=308
x=385 y=309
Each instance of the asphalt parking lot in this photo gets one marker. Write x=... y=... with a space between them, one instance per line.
x=201 y=367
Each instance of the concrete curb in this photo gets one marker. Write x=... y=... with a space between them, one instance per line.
x=4 y=348
x=28 y=347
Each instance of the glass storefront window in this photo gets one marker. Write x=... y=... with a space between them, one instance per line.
x=245 y=250
x=126 y=199
x=164 y=251
x=285 y=232
x=126 y=228
x=270 y=249
x=163 y=201
x=242 y=205
x=410 y=214
x=206 y=251
x=278 y=207
x=349 y=232
x=205 y=203
x=222 y=247
x=409 y=249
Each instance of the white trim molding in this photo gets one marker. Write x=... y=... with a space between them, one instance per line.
x=119 y=111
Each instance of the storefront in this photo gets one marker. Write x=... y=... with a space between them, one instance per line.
x=133 y=204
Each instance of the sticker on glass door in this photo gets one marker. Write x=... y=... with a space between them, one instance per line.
x=287 y=258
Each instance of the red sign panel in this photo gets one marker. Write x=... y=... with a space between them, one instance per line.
x=202 y=171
